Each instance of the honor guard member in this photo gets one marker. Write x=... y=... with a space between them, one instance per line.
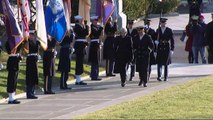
x=143 y=45
x=64 y=59
x=94 y=49
x=165 y=49
x=31 y=66
x=81 y=31
x=49 y=65
x=209 y=40
x=151 y=32
x=132 y=32
x=123 y=54
x=12 y=68
x=108 y=49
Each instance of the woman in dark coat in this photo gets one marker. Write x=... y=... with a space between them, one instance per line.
x=64 y=60
x=188 y=46
x=31 y=66
x=123 y=54
x=143 y=45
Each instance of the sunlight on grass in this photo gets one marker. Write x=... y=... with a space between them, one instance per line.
x=192 y=100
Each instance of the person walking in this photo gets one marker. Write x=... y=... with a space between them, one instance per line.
x=64 y=59
x=188 y=46
x=143 y=45
x=49 y=65
x=209 y=40
x=12 y=68
x=31 y=66
x=81 y=30
x=151 y=32
x=108 y=48
x=132 y=32
x=94 y=49
x=165 y=49
x=123 y=54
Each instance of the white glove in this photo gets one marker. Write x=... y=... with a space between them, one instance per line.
x=156 y=42
x=155 y=54
x=171 y=52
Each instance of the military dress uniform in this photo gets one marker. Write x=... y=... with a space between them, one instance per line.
x=143 y=46
x=94 y=51
x=151 y=32
x=80 y=44
x=12 y=68
x=49 y=66
x=64 y=60
x=108 y=48
x=123 y=56
x=132 y=32
x=32 y=68
x=165 y=49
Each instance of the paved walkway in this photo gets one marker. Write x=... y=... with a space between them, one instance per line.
x=97 y=95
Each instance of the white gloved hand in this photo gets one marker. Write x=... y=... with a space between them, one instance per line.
x=156 y=42
x=171 y=52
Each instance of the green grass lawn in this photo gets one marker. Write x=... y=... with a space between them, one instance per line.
x=193 y=100
x=21 y=76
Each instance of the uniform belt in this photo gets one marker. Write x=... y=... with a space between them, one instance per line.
x=50 y=50
x=164 y=42
x=14 y=55
x=33 y=54
x=94 y=40
x=81 y=40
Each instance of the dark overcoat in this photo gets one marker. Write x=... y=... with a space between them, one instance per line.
x=64 y=55
x=152 y=34
x=123 y=53
x=143 y=48
x=166 y=44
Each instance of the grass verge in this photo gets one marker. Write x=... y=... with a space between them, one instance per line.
x=192 y=100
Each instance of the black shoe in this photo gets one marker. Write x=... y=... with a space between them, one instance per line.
x=145 y=85
x=96 y=79
x=159 y=79
x=14 y=102
x=32 y=97
x=130 y=79
x=166 y=79
x=111 y=75
x=49 y=92
x=65 y=88
x=80 y=83
x=140 y=83
x=123 y=84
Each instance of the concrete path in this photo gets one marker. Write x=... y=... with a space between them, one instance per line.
x=97 y=95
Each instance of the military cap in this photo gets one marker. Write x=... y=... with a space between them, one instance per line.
x=140 y=28
x=94 y=18
x=32 y=31
x=78 y=17
x=146 y=20
x=195 y=18
x=130 y=21
x=163 y=20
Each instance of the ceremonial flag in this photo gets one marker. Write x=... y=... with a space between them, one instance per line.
x=40 y=24
x=25 y=15
x=115 y=13
x=104 y=9
x=67 y=9
x=14 y=33
x=55 y=19
x=84 y=9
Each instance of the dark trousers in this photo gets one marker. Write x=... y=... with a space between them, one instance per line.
x=150 y=70
x=132 y=71
x=94 y=71
x=63 y=80
x=190 y=57
x=12 y=81
x=47 y=83
x=143 y=75
x=30 y=90
x=109 y=67
x=159 y=68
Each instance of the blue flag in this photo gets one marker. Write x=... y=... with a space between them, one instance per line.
x=55 y=19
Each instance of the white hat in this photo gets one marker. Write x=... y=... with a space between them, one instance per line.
x=94 y=17
x=78 y=17
x=31 y=31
